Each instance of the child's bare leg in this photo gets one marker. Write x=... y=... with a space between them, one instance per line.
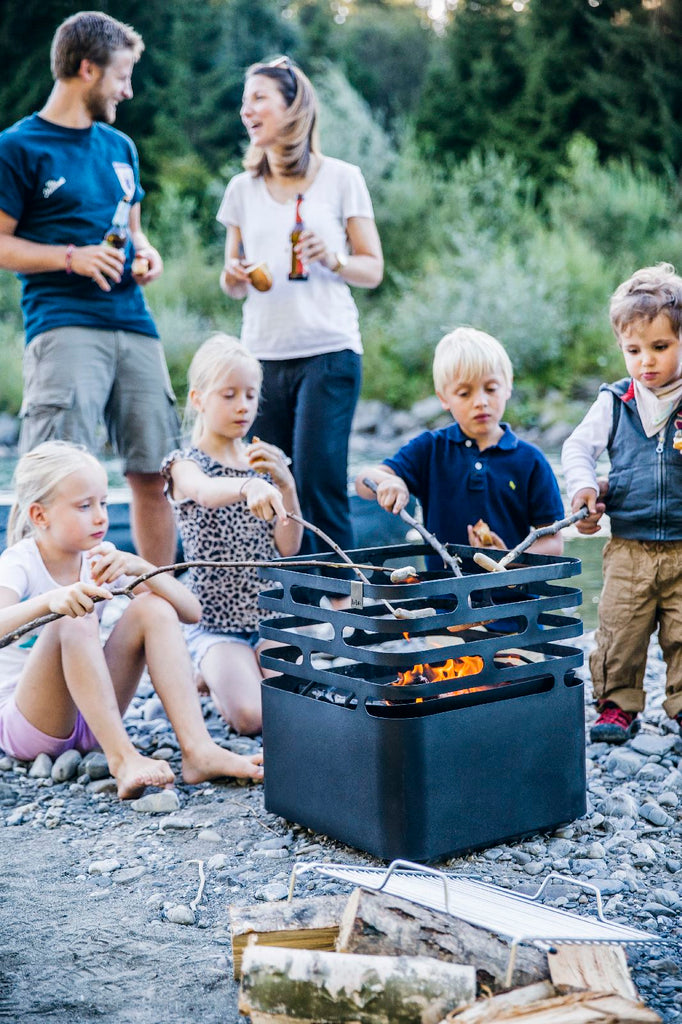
x=233 y=675
x=67 y=673
x=151 y=624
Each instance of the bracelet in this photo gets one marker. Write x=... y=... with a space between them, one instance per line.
x=68 y=258
x=243 y=485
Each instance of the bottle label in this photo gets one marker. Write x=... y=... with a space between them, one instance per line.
x=122 y=214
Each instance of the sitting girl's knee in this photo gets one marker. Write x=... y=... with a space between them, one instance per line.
x=153 y=610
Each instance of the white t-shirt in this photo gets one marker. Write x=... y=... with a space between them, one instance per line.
x=23 y=571
x=298 y=318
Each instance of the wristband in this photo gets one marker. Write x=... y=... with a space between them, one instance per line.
x=68 y=258
x=243 y=485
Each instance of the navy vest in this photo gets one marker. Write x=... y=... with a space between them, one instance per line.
x=644 y=500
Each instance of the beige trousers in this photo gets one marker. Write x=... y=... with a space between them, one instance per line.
x=642 y=590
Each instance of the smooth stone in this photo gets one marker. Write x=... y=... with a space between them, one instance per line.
x=608 y=886
x=66 y=766
x=272 y=892
x=620 y=804
x=217 y=862
x=41 y=767
x=129 y=874
x=276 y=843
x=209 y=835
x=95 y=764
x=174 y=821
x=153 y=709
x=180 y=914
x=163 y=802
x=673 y=865
x=628 y=762
x=652 y=743
x=6 y=764
x=163 y=753
x=100 y=786
x=642 y=854
x=652 y=772
x=103 y=867
x=656 y=815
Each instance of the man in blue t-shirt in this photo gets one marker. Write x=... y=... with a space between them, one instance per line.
x=93 y=354
x=477 y=482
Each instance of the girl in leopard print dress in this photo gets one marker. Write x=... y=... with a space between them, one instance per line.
x=230 y=501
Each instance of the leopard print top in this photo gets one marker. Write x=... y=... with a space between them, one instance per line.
x=229 y=597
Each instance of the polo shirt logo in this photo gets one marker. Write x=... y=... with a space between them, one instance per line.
x=51 y=186
x=512 y=485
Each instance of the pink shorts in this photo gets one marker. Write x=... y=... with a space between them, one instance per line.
x=20 y=739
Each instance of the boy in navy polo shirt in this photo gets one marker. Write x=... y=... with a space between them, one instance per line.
x=476 y=468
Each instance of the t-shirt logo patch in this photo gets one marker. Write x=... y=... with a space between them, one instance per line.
x=51 y=185
x=126 y=178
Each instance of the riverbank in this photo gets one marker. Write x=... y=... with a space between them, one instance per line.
x=92 y=886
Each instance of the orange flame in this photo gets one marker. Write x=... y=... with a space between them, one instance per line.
x=453 y=668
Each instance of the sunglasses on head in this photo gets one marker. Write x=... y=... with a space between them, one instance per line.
x=284 y=64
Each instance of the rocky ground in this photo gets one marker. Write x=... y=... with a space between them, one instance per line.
x=104 y=915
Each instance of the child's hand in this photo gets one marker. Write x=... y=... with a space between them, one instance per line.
x=268 y=458
x=588 y=497
x=264 y=500
x=476 y=542
x=393 y=495
x=77 y=599
x=107 y=563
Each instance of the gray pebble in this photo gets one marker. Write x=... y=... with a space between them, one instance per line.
x=272 y=892
x=163 y=753
x=623 y=761
x=66 y=766
x=153 y=709
x=175 y=821
x=209 y=835
x=652 y=743
x=163 y=802
x=217 y=862
x=129 y=874
x=180 y=914
x=95 y=764
x=100 y=786
x=655 y=814
x=103 y=867
x=6 y=764
x=41 y=767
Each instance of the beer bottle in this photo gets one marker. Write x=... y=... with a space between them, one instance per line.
x=298 y=272
x=117 y=233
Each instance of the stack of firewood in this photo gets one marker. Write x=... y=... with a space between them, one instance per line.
x=374 y=958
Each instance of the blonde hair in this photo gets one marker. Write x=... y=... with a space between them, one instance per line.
x=648 y=293
x=299 y=138
x=211 y=364
x=37 y=477
x=467 y=354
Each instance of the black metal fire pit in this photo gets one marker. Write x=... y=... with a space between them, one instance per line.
x=421 y=769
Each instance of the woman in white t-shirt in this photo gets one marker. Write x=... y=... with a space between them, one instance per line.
x=305 y=332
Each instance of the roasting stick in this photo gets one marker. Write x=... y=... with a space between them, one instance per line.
x=449 y=559
x=177 y=567
x=398 y=613
x=127 y=591
x=486 y=562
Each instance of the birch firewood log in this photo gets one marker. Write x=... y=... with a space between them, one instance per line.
x=328 y=988
x=378 y=923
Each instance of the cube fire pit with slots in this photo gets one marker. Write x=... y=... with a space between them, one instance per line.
x=452 y=729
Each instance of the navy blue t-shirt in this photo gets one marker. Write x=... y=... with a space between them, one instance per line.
x=510 y=486
x=62 y=185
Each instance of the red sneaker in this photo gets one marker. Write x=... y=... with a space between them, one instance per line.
x=614 y=725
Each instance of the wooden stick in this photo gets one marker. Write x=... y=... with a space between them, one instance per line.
x=127 y=591
x=450 y=560
x=544 y=531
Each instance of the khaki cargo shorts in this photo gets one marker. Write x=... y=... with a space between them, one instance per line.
x=84 y=385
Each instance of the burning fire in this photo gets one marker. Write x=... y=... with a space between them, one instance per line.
x=453 y=668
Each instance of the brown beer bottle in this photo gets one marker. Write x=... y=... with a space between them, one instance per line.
x=298 y=271
x=117 y=233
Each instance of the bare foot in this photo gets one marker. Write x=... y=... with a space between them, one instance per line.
x=214 y=762
x=136 y=772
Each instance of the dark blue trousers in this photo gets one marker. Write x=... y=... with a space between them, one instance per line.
x=306 y=409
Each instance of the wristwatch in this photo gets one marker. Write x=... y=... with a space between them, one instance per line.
x=341 y=262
